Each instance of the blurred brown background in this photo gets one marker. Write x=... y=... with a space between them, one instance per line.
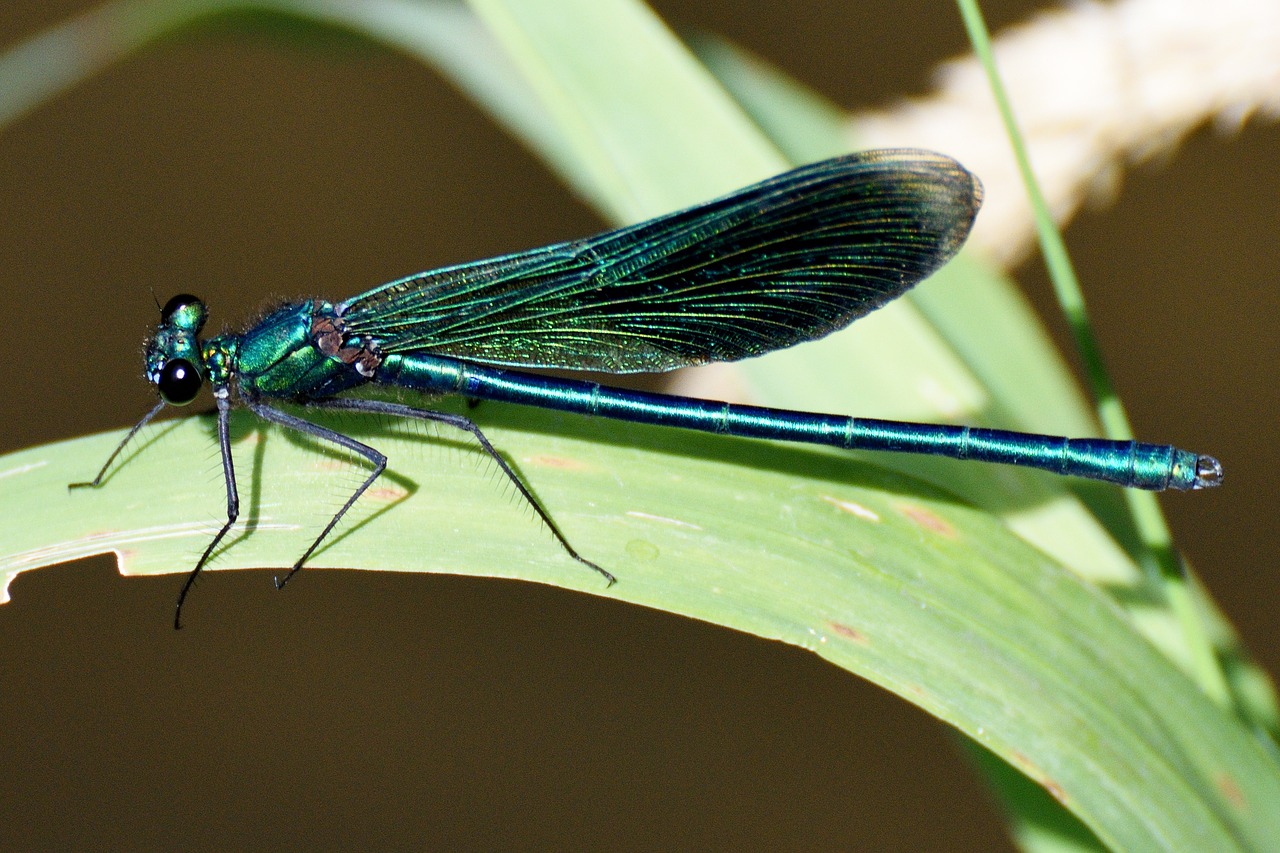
x=437 y=712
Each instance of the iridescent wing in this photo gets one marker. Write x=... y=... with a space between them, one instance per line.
x=786 y=260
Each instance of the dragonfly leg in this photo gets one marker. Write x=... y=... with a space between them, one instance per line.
x=399 y=410
x=378 y=460
x=97 y=481
x=233 y=498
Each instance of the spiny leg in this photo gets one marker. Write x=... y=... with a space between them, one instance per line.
x=97 y=481
x=233 y=499
x=466 y=424
x=304 y=426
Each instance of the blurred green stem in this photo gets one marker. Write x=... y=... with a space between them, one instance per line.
x=1161 y=560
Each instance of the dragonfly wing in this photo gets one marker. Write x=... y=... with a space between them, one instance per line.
x=786 y=260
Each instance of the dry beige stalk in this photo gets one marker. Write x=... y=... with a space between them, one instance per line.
x=1095 y=87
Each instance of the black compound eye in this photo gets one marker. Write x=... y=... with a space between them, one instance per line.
x=176 y=304
x=184 y=312
x=179 y=382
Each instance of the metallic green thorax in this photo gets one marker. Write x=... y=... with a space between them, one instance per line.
x=279 y=357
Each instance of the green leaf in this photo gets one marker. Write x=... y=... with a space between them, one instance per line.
x=881 y=575
x=1038 y=822
x=647 y=122
x=804 y=125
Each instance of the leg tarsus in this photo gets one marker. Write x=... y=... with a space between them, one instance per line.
x=97 y=481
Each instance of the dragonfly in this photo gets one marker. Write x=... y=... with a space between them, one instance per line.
x=786 y=260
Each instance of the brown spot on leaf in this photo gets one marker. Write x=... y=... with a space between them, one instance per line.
x=1230 y=789
x=547 y=461
x=1055 y=791
x=928 y=520
x=849 y=633
x=387 y=494
x=1029 y=767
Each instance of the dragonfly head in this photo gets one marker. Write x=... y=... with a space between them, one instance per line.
x=174 y=364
